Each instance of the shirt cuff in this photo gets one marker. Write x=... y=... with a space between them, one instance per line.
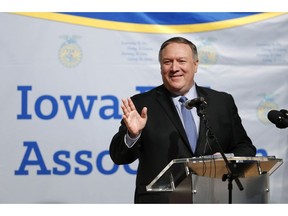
x=130 y=141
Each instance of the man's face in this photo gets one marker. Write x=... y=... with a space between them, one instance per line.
x=178 y=68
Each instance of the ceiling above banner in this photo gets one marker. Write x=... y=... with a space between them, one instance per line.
x=157 y=22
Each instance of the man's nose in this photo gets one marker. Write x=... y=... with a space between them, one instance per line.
x=175 y=66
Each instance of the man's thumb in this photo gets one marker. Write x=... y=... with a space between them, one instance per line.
x=144 y=112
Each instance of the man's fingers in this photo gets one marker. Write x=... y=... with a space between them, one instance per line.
x=131 y=104
x=125 y=107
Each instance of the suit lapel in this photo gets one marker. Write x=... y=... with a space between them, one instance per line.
x=166 y=102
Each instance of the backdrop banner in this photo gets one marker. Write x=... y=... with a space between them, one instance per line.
x=62 y=77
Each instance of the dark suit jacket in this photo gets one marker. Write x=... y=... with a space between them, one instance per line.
x=164 y=138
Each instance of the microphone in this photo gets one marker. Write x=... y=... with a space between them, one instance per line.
x=285 y=113
x=278 y=118
x=189 y=104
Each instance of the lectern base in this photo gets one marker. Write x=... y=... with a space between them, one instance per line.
x=201 y=189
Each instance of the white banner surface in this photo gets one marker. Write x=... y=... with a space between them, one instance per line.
x=62 y=78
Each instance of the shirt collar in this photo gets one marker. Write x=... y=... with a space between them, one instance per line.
x=190 y=95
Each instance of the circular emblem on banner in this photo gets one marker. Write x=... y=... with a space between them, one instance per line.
x=70 y=53
x=263 y=108
x=207 y=53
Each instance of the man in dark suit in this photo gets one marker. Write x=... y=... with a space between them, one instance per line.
x=152 y=128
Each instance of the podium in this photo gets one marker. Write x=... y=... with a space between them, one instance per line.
x=200 y=180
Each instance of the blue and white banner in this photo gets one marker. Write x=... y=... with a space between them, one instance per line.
x=62 y=77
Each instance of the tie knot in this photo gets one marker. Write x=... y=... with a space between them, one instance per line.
x=183 y=99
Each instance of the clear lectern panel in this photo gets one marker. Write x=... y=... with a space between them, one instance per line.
x=212 y=167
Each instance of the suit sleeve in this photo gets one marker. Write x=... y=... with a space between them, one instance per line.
x=119 y=152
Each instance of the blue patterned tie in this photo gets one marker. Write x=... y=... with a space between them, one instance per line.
x=189 y=124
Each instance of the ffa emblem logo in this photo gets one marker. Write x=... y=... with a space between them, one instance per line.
x=264 y=107
x=207 y=53
x=70 y=53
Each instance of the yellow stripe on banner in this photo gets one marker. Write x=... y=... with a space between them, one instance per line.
x=152 y=28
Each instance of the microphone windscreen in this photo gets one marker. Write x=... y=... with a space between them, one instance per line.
x=285 y=113
x=278 y=119
x=274 y=115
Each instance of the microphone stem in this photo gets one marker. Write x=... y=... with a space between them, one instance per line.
x=230 y=166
